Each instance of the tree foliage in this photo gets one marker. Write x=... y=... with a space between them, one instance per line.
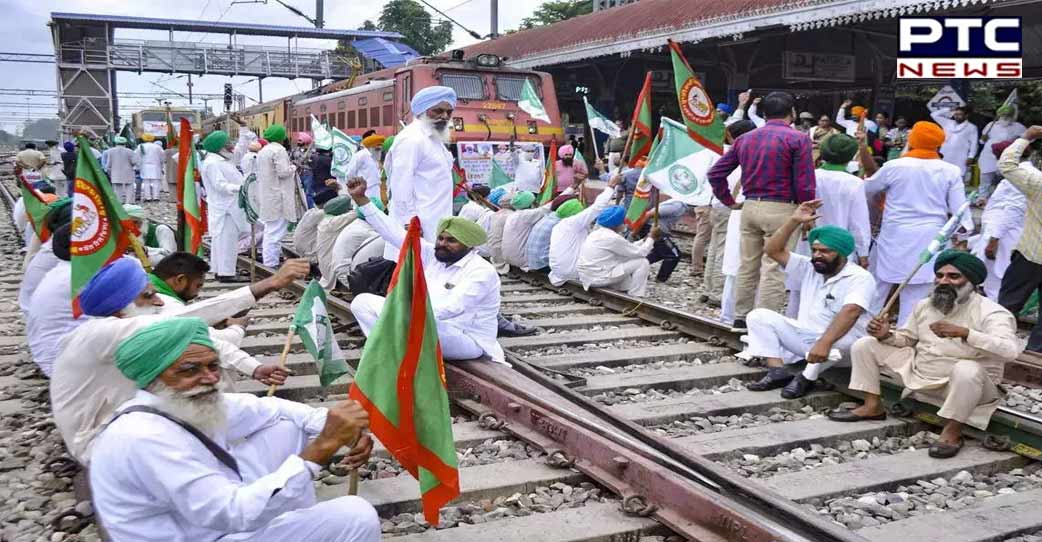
x=411 y=20
x=555 y=11
x=40 y=129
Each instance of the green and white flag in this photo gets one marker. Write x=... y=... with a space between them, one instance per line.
x=679 y=166
x=599 y=122
x=312 y=324
x=531 y=104
x=344 y=148
x=323 y=139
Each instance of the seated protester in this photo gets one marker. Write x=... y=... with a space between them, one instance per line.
x=338 y=215
x=519 y=225
x=355 y=244
x=305 y=235
x=59 y=214
x=566 y=239
x=21 y=217
x=182 y=460
x=835 y=297
x=178 y=279
x=86 y=387
x=665 y=250
x=474 y=210
x=463 y=287
x=497 y=223
x=158 y=240
x=950 y=353
x=494 y=197
x=1002 y=224
x=537 y=251
x=50 y=319
x=608 y=260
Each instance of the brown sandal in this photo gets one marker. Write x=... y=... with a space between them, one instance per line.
x=943 y=450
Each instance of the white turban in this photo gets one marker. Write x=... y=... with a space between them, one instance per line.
x=430 y=97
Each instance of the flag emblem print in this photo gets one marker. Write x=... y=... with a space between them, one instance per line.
x=90 y=229
x=684 y=181
x=696 y=105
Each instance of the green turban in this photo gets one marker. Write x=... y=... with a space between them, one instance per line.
x=838 y=149
x=147 y=353
x=969 y=265
x=215 y=141
x=833 y=237
x=135 y=211
x=119 y=140
x=376 y=203
x=1005 y=111
x=522 y=200
x=465 y=231
x=276 y=133
x=337 y=206
x=569 y=208
x=387 y=144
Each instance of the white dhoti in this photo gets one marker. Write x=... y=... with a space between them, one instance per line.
x=772 y=335
x=631 y=277
x=271 y=247
x=966 y=395
x=455 y=345
x=344 y=519
x=910 y=296
x=150 y=188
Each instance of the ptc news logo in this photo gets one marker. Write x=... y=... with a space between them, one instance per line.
x=960 y=48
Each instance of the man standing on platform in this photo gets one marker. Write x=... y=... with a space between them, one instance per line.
x=777 y=175
x=363 y=164
x=152 y=159
x=1004 y=128
x=419 y=168
x=960 y=137
x=279 y=193
x=568 y=171
x=120 y=163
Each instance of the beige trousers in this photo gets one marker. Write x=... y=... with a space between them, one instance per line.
x=703 y=229
x=969 y=396
x=714 y=274
x=760 y=219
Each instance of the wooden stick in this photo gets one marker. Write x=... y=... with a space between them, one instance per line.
x=282 y=358
x=140 y=253
x=253 y=251
x=352 y=483
x=658 y=197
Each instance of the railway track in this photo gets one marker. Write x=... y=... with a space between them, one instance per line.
x=628 y=420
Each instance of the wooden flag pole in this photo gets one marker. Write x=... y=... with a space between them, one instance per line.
x=282 y=358
x=253 y=251
x=352 y=483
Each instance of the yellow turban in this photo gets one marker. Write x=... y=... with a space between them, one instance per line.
x=148 y=138
x=373 y=141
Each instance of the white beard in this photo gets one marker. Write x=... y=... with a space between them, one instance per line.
x=202 y=407
x=444 y=135
x=133 y=310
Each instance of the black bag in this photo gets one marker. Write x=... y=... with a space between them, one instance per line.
x=371 y=277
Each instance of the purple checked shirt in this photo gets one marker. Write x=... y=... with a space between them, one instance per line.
x=776 y=165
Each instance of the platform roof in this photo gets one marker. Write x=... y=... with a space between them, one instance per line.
x=388 y=53
x=178 y=25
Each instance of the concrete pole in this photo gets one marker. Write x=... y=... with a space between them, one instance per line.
x=320 y=21
x=260 y=89
x=189 y=89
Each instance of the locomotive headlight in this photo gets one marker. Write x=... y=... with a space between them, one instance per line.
x=457 y=124
x=488 y=61
x=532 y=127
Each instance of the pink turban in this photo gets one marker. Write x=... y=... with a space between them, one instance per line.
x=566 y=150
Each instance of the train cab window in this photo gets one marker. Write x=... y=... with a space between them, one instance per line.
x=467 y=86
x=362 y=100
x=363 y=118
x=389 y=96
x=509 y=88
x=341 y=105
x=388 y=115
x=340 y=120
x=374 y=116
x=350 y=120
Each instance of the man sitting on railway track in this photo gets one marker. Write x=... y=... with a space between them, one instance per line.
x=463 y=287
x=835 y=296
x=158 y=240
x=85 y=385
x=609 y=260
x=185 y=459
x=566 y=238
x=950 y=353
x=338 y=215
x=58 y=215
x=178 y=279
x=50 y=315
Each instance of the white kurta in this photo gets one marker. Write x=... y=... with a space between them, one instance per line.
x=960 y=139
x=850 y=125
x=528 y=175
x=996 y=131
x=348 y=243
x=419 y=177
x=55 y=171
x=248 y=164
x=305 y=235
x=1002 y=219
x=167 y=244
x=42 y=262
x=363 y=165
x=568 y=235
x=153 y=159
x=328 y=231
x=225 y=219
x=86 y=386
x=843 y=204
x=518 y=226
x=920 y=196
x=604 y=253
x=153 y=480
x=21 y=222
x=51 y=317
x=475 y=211
x=278 y=185
x=121 y=163
x=463 y=295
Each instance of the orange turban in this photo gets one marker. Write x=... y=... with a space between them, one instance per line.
x=373 y=141
x=858 y=111
x=924 y=140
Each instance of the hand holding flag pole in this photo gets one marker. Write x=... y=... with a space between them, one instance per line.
x=930 y=251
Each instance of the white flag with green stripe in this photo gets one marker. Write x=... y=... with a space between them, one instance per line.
x=599 y=122
x=679 y=166
x=323 y=139
x=531 y=104
x=344 y=148
x=312 y=324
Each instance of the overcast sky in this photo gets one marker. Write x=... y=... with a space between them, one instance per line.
x=24 y=25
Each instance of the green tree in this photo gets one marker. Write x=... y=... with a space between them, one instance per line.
x=368 y=25
x=40 y=129
x=555 y=11
x=411 y=20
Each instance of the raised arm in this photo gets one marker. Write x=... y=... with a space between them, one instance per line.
x=777 y=246
x=1025 y=179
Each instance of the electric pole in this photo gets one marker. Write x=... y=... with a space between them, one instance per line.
x=494 y=10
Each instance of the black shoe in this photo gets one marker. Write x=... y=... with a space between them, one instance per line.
x=739 y=323
x=942 y=450
x=510 y=328
x=849 y=416
x=797 y=387
x=776 y=377
x=232 y=278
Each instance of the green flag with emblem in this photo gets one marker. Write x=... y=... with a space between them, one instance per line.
x=679 y=166
x=312 y=324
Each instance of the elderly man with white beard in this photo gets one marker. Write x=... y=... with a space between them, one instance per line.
x=225 y=219
x=182 y=460
x=86 y=387
x=950 y=353
x=419 y=167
